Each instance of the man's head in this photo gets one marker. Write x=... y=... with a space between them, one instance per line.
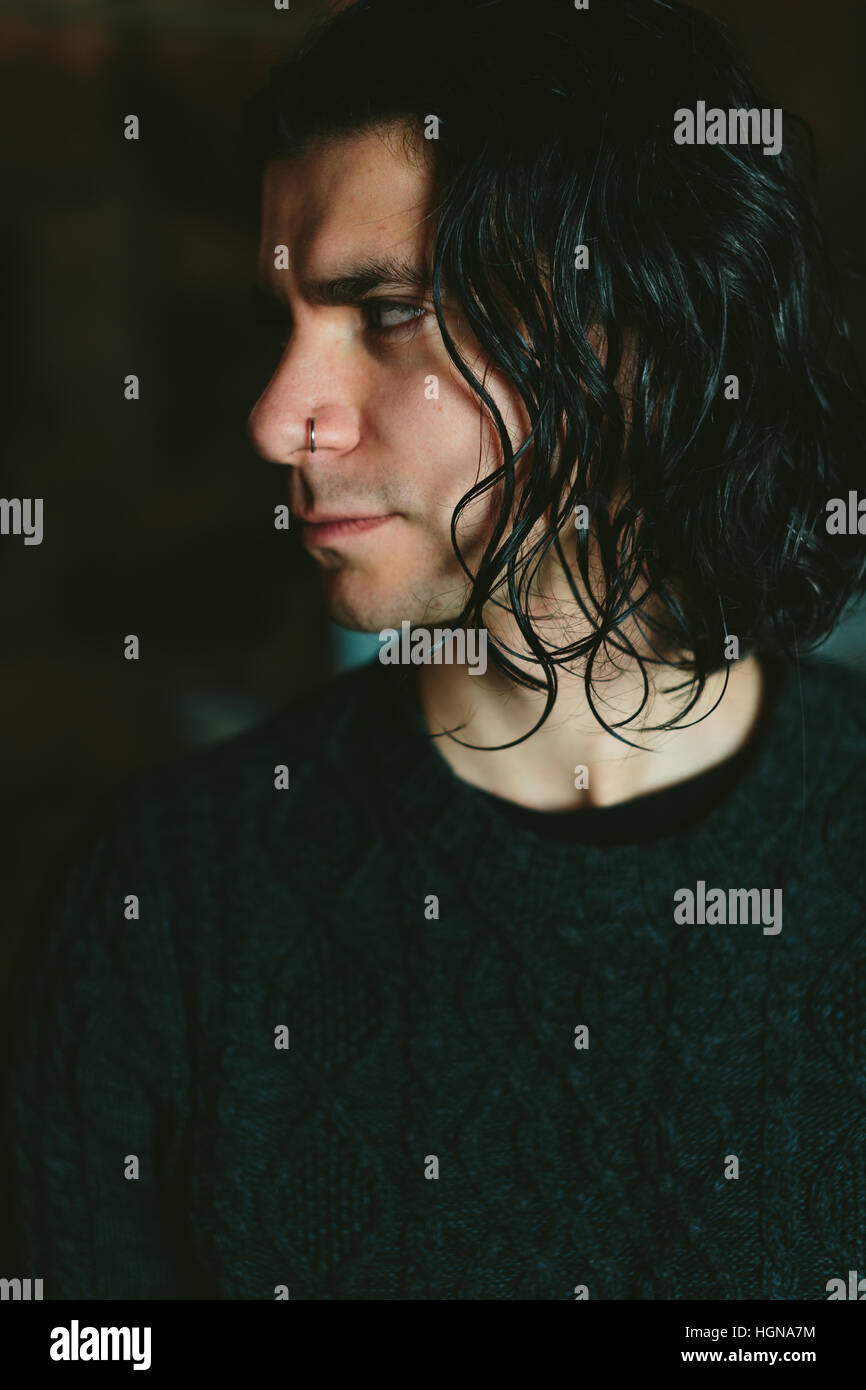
x=396 y=426
x=591 y=321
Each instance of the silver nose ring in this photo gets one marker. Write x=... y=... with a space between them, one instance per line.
x=312 y=435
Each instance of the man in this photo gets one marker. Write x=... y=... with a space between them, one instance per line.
x=524 y=962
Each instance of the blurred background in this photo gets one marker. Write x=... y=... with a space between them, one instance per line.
x=123 y=257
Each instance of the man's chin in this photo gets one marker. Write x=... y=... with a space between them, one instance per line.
x=356 y=606
x=360 y=605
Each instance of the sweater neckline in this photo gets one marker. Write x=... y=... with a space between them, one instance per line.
x=516 y=869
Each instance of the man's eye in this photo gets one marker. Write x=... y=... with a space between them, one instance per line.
x=384 y=316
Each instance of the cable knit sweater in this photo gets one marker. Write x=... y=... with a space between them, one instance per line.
x=369 y=1037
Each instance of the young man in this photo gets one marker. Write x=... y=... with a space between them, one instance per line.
x=525 y=962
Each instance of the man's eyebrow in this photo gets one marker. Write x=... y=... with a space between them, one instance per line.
x=356 y=282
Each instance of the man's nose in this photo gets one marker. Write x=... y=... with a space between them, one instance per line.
x=305 y=412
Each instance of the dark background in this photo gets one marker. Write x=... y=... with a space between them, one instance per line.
x=122 y=257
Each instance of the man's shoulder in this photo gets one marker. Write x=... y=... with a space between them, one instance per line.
x=298 y=748
x=821 y=673
x=830 y=699
x=288 y=771
x=241 y=832
x=831 y=739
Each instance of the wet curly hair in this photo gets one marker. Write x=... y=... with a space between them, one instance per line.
x=707 y=515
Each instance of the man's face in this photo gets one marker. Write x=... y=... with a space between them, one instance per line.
x=399 y=435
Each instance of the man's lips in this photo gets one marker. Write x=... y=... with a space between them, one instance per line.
x=318 y=529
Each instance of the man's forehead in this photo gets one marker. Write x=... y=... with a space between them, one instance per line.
x=356 y=195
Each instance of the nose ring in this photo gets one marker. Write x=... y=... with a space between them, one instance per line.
x=312 y=435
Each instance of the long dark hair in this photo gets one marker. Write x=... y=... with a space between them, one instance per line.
x=556 y=130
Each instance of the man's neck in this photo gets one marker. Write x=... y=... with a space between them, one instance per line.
x=543 y=773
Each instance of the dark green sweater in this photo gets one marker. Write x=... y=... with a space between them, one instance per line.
x=432 y=957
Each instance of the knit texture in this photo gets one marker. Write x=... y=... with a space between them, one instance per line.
x=414 y=1036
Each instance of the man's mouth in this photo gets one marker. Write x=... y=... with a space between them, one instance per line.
x=320 y=529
